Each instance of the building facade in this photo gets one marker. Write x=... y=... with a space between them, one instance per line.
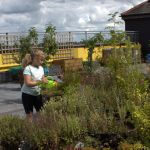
x=138 y=19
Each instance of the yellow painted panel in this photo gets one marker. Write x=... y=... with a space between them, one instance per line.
x=0 y=59
x=6 y=67
x=83 y=53
x=80 y=52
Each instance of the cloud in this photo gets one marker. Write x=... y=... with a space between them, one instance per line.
x=19 y=6
x=20 y=15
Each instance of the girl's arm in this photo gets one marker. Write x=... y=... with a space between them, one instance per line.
x=29 y=82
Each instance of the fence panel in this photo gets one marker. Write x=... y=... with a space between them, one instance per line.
x=10 y=43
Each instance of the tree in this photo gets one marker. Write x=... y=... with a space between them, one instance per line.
x=49 y=41
x=90 y=44
x=30 y=42
x=27 y=43
x=117 y=37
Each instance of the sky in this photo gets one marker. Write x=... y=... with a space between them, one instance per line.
x=65 y=15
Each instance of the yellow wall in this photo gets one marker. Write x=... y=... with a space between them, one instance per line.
x=83 y=53
x=80 y=52
x=7 y=66
x=0 y=59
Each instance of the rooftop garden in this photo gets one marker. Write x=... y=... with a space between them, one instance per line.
x=104 y=106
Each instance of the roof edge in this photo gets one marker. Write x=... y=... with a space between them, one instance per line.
x=135 y=7
x=128 y=17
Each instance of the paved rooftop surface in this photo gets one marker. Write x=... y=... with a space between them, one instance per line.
x=10 y=99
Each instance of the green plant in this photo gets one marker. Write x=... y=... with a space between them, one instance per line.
x=90 y=44
x=71 y=129
x=49 y=41
x=73 y=111
x=11 y=131
x=125 y=146
x=117 y=37
x=42 y=134
x=113 y=20
x=142 y=120
x=27 y=43
x=129 y=87
x=91 y=142
x=71 y=78
x=30 y=42
x=65 y=114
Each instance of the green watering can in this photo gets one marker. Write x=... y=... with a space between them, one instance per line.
x=51 y=84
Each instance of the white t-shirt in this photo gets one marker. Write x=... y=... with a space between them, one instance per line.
x=36 y=74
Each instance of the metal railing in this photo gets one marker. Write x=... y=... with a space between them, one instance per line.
x=10 y=42
x=80 y=36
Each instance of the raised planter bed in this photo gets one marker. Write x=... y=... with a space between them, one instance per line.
x=69 y=64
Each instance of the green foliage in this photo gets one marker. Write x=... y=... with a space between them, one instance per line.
x=71 y=78
x=117 y=38
x=126 y=146
x=30 y=42
x=142 y=119
x=26 y=44
x=86 y=109
x=113 y=20
x=65 y=115
x=11 y=131
x=33 y=36
x=42 y=134
x=49 y=41
x=71 y=129
x=90 y=44
x=129 y=88
x=91 y=142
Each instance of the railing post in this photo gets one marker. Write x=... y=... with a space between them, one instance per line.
x=86 y=35
x=7 y=40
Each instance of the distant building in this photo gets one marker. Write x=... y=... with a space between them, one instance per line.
x=138 y=19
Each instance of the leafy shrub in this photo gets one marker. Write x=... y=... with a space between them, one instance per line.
x=125 y=146
x=12 y=130
x=142 y=119
x=30 y=41
x=41 y=135
x=71 y=129
x=65 y=114
x=71 y=78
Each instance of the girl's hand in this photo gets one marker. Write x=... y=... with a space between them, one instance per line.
x=44 y=80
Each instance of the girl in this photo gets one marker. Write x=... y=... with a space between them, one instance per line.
x=33 y=75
